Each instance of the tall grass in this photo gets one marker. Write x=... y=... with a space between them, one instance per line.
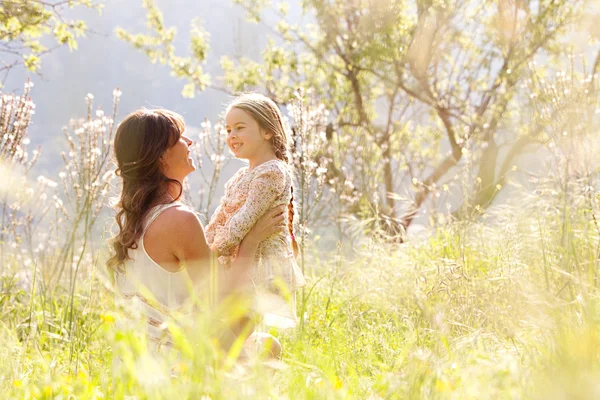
x=502 y=306
x=503 y=310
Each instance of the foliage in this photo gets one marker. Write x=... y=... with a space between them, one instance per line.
x=452 y=316
x=502 y=306
x=24 y=24
x=411 y=86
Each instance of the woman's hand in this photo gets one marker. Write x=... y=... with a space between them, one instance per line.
x=273 y=221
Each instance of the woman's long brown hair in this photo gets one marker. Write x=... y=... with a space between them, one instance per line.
x=141 y=139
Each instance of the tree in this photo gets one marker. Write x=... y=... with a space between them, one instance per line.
x=418 y=90
x=24 y=23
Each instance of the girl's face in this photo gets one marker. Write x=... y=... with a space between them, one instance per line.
x=177 y=160
x=245 y=138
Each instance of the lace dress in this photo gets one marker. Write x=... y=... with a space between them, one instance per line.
x=248 y=195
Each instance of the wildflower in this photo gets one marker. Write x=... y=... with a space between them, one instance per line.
x=107 y=318
x=108 y=175
x=338 y=383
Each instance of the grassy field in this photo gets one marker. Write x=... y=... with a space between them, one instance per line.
x=504 y=307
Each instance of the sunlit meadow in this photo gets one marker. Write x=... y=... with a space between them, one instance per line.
x=484 y=300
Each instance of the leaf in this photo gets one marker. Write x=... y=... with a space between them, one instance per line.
x=189 y=90
x=32 y=62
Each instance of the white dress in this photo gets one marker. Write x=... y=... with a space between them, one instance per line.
x=146 y=290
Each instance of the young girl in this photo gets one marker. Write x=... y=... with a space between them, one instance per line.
x=256 y=133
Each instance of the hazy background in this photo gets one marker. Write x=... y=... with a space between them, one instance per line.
x=104 y=62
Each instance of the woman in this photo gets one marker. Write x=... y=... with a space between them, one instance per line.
x=160 y=246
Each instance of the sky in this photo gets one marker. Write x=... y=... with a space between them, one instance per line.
x=104 y=62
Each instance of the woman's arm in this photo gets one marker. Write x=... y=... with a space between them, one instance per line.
x=188 y=243
x=273 y=221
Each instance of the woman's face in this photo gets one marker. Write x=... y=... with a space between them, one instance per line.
x=177 y=160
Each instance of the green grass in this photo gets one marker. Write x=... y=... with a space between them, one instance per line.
x=501 y=310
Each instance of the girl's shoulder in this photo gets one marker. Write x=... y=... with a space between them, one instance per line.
x=236 y=177
x=277 y=166
x=275 y=173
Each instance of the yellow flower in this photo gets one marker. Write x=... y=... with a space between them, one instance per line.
x=109 y=319
x=338 y=383
x=17 y=383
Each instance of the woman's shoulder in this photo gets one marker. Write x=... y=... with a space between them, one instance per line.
x=179 y=217
x=172 y=226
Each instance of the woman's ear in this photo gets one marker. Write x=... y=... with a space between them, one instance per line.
x=163 y=164
x=268 y=135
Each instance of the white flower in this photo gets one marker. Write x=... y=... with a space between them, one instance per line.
x=107 y=176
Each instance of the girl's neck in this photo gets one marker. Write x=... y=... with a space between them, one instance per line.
x=261 y=159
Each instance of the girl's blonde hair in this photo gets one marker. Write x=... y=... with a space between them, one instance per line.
x=268 y=116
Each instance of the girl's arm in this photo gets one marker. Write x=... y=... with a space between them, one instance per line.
x=188 y=243
x=264 y=189
x=218 y=217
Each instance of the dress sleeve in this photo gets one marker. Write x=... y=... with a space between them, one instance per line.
x=265 y=187
x=218 y=218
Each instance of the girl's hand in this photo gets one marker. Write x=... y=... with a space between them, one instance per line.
x=273 y=221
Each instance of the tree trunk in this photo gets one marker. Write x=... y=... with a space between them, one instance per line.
x=486 y=193
x=421 y=196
